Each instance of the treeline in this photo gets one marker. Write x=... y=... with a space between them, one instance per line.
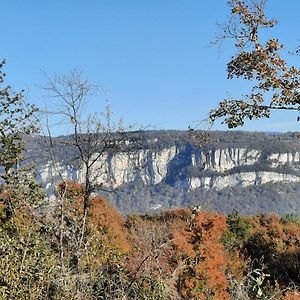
x=61 y=253
x=37 y=148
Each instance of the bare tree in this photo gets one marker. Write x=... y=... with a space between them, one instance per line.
x=276 y=86
x=92 y=135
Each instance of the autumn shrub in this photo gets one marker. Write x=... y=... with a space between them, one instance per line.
x=169 y=255
x=292 y=295
x=112 y=283
x=263 y=255
x=278 y=242
x=200 y=247
x=97 y=237
x=145 y=272
x=152 y=252
x=255 y=284
x=83 y=243
x=70 y=189
x=237 y=264
x=150 y=288
x=105 y=238
x=290 y=218
x=108 y=223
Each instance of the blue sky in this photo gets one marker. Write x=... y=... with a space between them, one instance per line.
x=150 y=57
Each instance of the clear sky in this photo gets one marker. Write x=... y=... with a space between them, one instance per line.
x=151 y=57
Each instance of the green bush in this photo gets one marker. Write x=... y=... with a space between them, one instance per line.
x=238 y=230
x=26 y=264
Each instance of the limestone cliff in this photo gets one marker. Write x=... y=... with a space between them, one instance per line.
x=176 y=166
x=183 y=166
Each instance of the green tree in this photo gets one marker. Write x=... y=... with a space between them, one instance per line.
x=16 y=120
x=26 y=260
x=276 y=86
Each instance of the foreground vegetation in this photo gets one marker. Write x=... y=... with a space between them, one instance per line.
x=59 y=253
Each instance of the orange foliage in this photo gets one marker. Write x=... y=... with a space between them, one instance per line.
x=204 y=275
x=282 y=237
x=108 y=223
x=23 y=217
x=273 y=230
x=182 y=237
x=2 y=209
x=183 y=251
x=295 y=295
x=103 y=219
x=70 y=189
x=172 y=215
x=237 y=264
x=102 y=229
x=277 y=241
x=71 y=194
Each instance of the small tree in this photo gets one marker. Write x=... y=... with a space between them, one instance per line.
x=26 y=260
x=276 y=85
x=16 y=120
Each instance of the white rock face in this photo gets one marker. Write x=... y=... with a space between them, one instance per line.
x=196 y=182
x=279 y=159
x=124 y=167
x=152 y=167
x=242 y=179
x=51 y=174
x=160 y=162
x=57 y=172
x=221 y=160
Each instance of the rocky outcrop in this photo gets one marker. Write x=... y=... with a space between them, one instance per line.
x=242 y=179
x=221 y=160
x=183 y=166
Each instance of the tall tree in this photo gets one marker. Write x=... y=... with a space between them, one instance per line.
x=91 y=138
x=276 y=86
